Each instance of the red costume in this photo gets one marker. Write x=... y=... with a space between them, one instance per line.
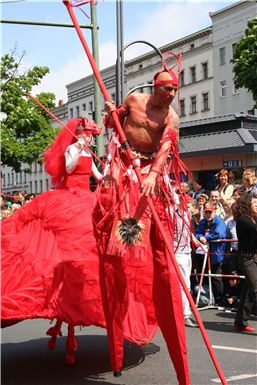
x=121 y=210
x=50 y=265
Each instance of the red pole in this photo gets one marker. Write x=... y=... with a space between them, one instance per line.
x=125 y=144
x=58 y=121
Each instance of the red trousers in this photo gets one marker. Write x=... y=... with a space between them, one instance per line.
x=165 y=287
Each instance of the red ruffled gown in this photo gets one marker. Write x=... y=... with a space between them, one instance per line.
x=50 y=266
x=49 y=256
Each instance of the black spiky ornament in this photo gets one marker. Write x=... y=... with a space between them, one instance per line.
x=130 y=231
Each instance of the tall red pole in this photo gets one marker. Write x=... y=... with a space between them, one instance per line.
x=130 y=155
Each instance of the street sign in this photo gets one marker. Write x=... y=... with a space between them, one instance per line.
x=232 y=163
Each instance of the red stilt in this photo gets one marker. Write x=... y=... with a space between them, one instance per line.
x=71 y=346
x=54 y=331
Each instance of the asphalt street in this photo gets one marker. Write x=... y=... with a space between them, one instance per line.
x=26 y=359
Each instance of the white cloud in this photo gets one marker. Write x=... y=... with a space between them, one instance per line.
x=168 y=22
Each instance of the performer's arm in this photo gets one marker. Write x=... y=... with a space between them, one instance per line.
x=122 y=112
x=96 y=174
x=72 y=155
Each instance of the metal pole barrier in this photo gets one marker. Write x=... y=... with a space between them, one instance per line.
x=201 y=279
x=131 y=158
x=211 y=296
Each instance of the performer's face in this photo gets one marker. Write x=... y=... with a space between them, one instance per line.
x=166 y=92
x=87 y=137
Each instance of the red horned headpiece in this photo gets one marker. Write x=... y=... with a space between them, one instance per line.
x=166 y=57
x=88 y=126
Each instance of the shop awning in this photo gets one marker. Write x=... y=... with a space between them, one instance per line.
x=221 y=142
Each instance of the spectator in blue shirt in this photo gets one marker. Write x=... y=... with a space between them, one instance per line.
x=210 y=229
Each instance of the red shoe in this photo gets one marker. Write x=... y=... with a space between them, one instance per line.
x=248 y=328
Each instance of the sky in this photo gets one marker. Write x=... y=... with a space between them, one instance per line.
x=158 y=22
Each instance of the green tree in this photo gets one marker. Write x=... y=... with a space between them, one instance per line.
x=25 y=128
x=245 y=60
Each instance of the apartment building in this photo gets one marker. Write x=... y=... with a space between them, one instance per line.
x=206 y=83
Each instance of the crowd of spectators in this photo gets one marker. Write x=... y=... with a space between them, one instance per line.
x=212 y=220
x=12 y=201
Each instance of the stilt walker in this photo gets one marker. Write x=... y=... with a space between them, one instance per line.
x=166 y=271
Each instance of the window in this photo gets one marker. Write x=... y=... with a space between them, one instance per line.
x=8 y=179
x=182 y=78
x=36 y=187
x=205 y=70
x=71 y=112
x=25 y=177
x=3 y=180
x=149 y=89
x=91 y=106
x=193 y=74
x=192 y=45
x=235 y=89
x=223 y=88
x=41 y=185
x=140 y=66
x=250 y=112
x=113 y=96
x=193 y=104
x=84 y=107
x=222 y=55
x=233 y=49
x=47 y=184
x=205 y=101
x=77 y=112
x=182 y=108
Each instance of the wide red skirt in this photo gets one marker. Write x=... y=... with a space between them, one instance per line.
x=50 y=267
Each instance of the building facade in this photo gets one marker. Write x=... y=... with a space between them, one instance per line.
x=206 y=85
x=228 y=27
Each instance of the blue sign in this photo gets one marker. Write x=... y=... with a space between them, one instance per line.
x=232 y=163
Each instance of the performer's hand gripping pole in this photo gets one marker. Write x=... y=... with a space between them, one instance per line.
x=130 y=155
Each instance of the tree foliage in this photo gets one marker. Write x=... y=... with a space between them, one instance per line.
x=245 y=60
x=25 y=129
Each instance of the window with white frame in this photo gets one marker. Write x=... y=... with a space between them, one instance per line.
x=222 y=56
x=77 y=111
x=205 y=70
x=182 y=107
x=182 y=78
x=193 y=74
x=235 y=89
x=205 y=101
x=71 y=112
x=84 y=107
x=193 y=104
x=223 y=88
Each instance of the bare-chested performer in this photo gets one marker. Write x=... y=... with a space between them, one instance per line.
x=126 y=233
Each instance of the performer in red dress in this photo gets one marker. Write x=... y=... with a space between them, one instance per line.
x=50 y=265
x=49 y=256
